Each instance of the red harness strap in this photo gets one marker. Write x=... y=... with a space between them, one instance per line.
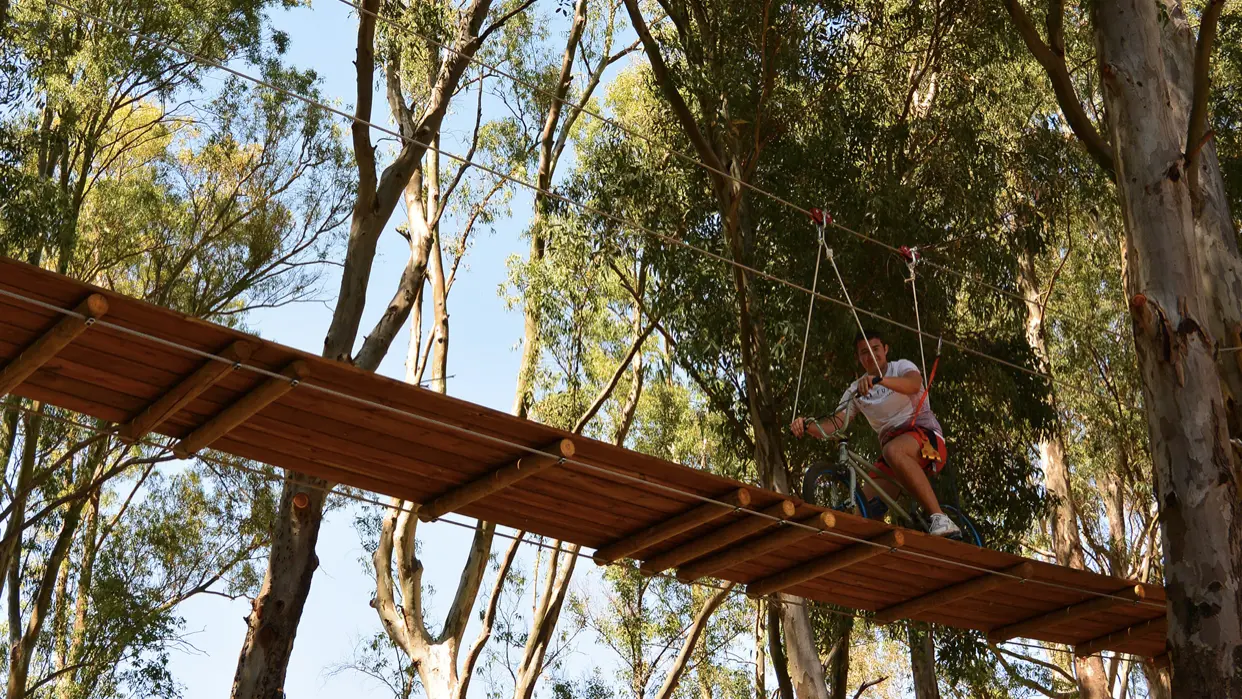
x=923 y=397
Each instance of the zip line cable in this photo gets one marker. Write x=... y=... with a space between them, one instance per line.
x=832 y=258
x=277 y=478
x=806 y=336
x=634 y=133
x=559 y=197
x=606 y=471
x=911 y=262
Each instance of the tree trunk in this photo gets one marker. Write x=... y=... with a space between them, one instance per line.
x=761 y=671
x=272 y=625
x=77 y=638
x=1187 y=421
x=17 y=515
x=723 y=152
x=60 y=620
x=923 y=660
x=439 y=300
x=21 y=653
x=543 y=623
x=1066 y=543
x=838 y=667
x=1216 y=240
x=776 y=648
x=1158 y=685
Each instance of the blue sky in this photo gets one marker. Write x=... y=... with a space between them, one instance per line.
x=483 y=361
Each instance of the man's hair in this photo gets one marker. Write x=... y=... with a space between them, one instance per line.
x=868 y=335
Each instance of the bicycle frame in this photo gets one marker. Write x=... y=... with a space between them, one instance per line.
x=859 y=467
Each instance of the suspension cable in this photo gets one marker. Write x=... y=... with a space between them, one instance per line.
x=559 y=197
x=634 y=133
x=866 y=341
x=806 y=336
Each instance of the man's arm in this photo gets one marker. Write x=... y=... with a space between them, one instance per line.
x=819 y=429
x=909 y=383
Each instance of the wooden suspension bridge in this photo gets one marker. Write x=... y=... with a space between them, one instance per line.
x=146 y=371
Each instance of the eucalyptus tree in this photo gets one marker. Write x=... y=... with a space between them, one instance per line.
x=272 y=626
x=1181 y=269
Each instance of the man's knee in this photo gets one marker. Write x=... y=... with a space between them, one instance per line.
x=897 y=451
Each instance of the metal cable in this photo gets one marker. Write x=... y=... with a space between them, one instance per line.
x=634 y=133
x=559 y=197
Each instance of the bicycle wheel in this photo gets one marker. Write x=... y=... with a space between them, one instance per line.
x=970 y=534
x=825 y=485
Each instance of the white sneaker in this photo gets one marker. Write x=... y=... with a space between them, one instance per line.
x=941 y=525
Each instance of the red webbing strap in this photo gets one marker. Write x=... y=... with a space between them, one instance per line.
x=923 y=397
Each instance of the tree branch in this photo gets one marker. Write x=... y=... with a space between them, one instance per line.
x=1063 y=86
x=508 y=16
x=622 y=366
x=364 y=61
x=692 y=640
x=665 y=80
x=468 y=586
x=1197 y=132
x=868 y=685
x=1055 y=22
x=1051 y=694
x=489 y=616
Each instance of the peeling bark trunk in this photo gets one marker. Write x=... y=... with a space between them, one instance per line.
x=1216 y=240
x=923 y=660
x=543 y=623
x=838 y=666
x=805 y=671
x=780 y=664
x=1158 y=685
x=439 y=301
x=1066 y=543
x=761 y=671
x=1187 y=420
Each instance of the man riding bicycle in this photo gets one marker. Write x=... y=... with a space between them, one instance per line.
x=888 y=395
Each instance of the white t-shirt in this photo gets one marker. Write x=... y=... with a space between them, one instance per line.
x=886 y=409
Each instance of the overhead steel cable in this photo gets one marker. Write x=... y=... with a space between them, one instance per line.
x=576 y=204
x=635 y=133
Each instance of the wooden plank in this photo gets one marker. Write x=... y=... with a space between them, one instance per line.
x=945 y=595
x=238 y=412
x=41 y=350
x=818 y=523
x=1108 y=641
x=718 y=539
x=497 y=480
x=837 y=560
x=1065 y=614
x=185 y=392
x=1160 y=661
x=659 y=532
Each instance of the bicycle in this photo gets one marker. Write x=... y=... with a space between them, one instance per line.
x=839 y=487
